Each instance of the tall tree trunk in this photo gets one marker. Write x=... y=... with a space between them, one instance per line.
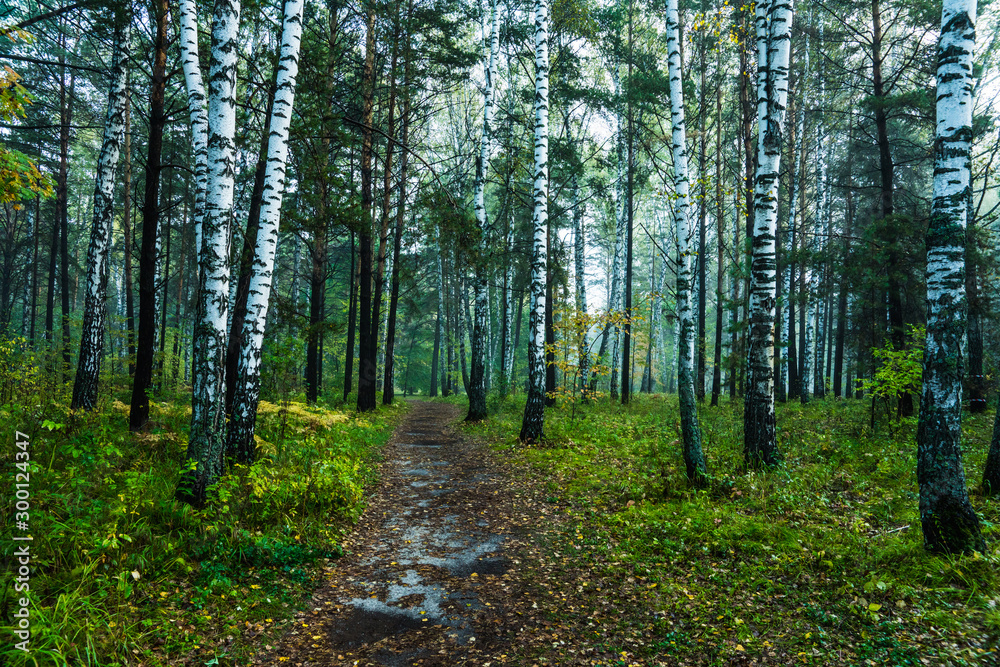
x=352 y=318
x=62 y=197
x=145 y=348
x=88 y=371
x=239 y=305
x=317 y=299
x=206 y=443
x=477 y=386
x=629 y=240
x=438 y=327
x=948 y=520
x=388 y=388
x=550 y=330
x=367 y=371
x=579 y=261
x=702 y=257
x=720 y=218
x=694 y=460
x=774 y=36
x=976 y=381
x=240 y=441
x=895 y=298
x=534 y=408
x=198 y=113
x=127 y=279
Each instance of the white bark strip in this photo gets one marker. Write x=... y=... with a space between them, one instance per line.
x=92 y=340
x=208 y=400
x=480 y=326
x=244 y=417
x=774 y=24
x=534 y=409
x=196 y=109
x=949 y=522
x=691 y=430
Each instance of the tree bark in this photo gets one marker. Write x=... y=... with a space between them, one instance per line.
x=367 y=370
x=949 y=522
x=694 y=460
x=773 y=22
x=477 y=383
x=240 y=441
x=143 y=377
x=534 y=408
x=88 y=372
x=207 y=439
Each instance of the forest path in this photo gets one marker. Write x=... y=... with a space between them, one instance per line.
x=427 y=572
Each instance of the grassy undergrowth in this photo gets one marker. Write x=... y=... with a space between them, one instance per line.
x=818 y=562
x=122 y=574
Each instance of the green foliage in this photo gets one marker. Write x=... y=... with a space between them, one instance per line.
x=898 y=371
x=122 y=573
x=18 y=371
x=822 y=557
x=20 y=177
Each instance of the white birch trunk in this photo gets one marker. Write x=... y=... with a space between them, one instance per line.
x=694 y=460
x=774 y=36
x=240 y=440
x=480 y=325
x=618 y=263
x=949 y=522
x=88 y=372
x=579 y=253
x=534 y=409
x=196 y=109
x=205 y=446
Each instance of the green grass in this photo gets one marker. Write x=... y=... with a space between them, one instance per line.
x=123 y=574
x=821 y=557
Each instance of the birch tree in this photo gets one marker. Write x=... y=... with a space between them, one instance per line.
x=208 y=399
x=534 y=408
x=774 y=36
x=92 y=340
x=694 y=461
x=240 y=441
x=477 y=384
x=949 y=523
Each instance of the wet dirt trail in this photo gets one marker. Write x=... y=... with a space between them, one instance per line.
x=430 y=566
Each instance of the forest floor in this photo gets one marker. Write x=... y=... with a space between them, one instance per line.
x=475 y=550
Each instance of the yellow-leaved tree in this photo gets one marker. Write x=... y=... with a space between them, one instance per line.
x=20 y=177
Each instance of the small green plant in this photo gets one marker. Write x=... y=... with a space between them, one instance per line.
x=899 y=371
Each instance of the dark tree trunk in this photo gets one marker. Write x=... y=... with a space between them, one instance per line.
x=702 y=259
x=550 y=334
x=62 y=203
x=352 y=317
x=127 y=235
x=437 y=353
x=139 y=413
x=317 y=298
x=367 y=370
x=626 y=392
x=36 y=224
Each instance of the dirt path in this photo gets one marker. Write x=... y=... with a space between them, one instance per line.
x=430 y=566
